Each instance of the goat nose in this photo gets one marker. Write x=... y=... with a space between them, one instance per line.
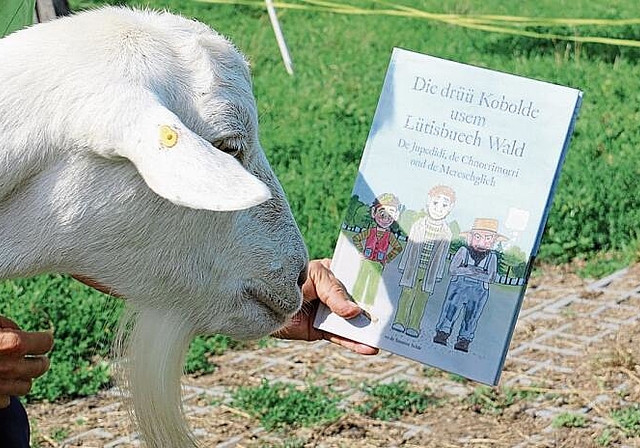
x=302 y=278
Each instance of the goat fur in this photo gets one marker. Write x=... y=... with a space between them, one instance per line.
x=196 y=233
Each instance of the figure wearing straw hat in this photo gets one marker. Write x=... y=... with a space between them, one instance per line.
x=472 y=269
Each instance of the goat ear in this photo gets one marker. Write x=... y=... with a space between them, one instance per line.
x=182 y=167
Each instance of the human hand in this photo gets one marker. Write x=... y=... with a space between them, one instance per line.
x=97 y=286
x=22 y=358
x=323 y=287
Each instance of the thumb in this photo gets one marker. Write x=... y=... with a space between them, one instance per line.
x=322 y=284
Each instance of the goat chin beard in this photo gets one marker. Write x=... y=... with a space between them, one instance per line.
x=151 y=346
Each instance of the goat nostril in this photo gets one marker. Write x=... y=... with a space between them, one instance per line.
x=302 y=278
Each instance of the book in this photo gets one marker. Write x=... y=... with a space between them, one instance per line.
x=448 y=209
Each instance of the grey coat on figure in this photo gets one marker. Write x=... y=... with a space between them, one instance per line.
x=409 y=263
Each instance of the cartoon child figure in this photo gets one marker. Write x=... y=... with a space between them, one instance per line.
x=472 y=269
x=378 y=246
x=422 y=262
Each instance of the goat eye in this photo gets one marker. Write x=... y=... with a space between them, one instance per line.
x=230 y=146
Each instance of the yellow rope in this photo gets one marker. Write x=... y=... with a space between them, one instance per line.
x=482 y=22
x=518 y=20
x=476 y=22
x=331 y=5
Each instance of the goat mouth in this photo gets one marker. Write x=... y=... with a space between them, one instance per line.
x=282 y=308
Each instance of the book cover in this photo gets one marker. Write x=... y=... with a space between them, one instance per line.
x=448 y=209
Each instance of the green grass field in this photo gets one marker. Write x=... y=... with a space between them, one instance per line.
x=314 y=124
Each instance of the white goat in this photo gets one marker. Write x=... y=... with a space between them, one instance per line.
x=129 y=155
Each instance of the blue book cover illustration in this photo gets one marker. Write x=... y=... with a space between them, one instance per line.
x=448 y=209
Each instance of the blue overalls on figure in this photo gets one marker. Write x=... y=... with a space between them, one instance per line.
x=467 y=293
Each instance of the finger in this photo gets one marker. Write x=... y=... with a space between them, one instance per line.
x=21 y=343
x=314 y=277
x=15 y=387
x=97 y=286
x=324 y=285
x=321 y=281
x=342 y=307
x=5 y=401
x=23 y=368
x=5 y=322
x=354 y=346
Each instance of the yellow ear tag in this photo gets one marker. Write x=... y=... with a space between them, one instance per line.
x=168 y=136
